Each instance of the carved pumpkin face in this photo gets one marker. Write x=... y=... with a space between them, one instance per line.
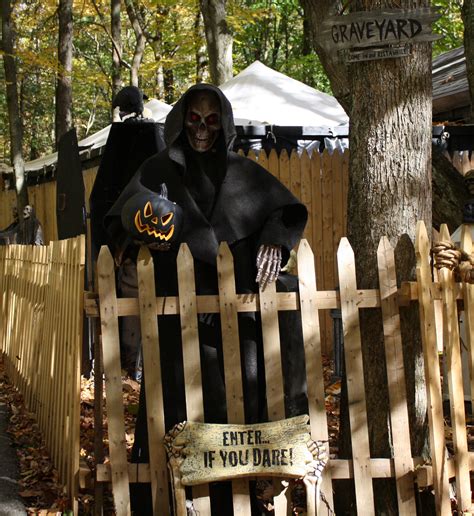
x=152 y=218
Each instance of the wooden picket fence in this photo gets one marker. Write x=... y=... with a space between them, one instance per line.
x=320 y=181
x=41 y=307
x=309 y=302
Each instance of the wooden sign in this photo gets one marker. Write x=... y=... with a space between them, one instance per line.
x=375 y=28
x=210 y=452
x=372 y=53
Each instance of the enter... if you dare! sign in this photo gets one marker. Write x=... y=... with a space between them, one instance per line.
x=215 y=452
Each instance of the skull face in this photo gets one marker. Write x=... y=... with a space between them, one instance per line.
x=27 y=211
x=203 y=120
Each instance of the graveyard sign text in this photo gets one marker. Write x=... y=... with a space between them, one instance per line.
x=380 y=28
x=213 y=452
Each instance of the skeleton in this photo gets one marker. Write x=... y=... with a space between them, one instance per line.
x=203 y=124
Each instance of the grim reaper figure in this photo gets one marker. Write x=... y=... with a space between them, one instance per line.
x=223 y=197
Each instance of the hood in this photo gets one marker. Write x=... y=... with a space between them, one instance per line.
x=175 y=120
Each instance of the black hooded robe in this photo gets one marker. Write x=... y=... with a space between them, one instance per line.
x=224 y=197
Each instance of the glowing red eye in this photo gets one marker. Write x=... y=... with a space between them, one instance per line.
x=194 y=117
x=212 y=119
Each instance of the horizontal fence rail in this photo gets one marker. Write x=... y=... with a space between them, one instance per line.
x=309 y=302
x=41 y=307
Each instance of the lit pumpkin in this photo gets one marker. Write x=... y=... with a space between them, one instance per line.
x=152 y=218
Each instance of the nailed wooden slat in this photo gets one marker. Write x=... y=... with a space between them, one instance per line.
x=153 y=381
x=231 y=352
x=295 y=174
x=306 y=195
x=251 y=155
x=313 y=355
x=263 y=159
x=273 y=164
x=273 y=373
x=345 y=188
x=337 y=202
x=355 y=380
x=468 y=292
x=432 y=373
x=400 y=429
x=191 y=357
x=284 y=166
x=455 y=383
x=113 y=381
x=328 y=245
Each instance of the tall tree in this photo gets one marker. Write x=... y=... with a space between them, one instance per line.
x=140 y=41
x=116 y=32
x=389 y=104
x=64 y=85
x=468 y=20
x=219 y=40
x=16 y=129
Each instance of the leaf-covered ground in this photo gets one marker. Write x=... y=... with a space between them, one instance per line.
x=38 y=479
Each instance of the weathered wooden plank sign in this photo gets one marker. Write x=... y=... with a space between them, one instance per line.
x=388 y=32
x=206 y=452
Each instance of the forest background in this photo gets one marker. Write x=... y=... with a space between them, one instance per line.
x=162 y=47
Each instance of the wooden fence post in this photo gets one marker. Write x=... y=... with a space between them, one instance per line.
x=400 y=429
x=313 y=360
x=113 y=381
x=355 y=380
x=191 y=358
x=152 y=384
x=232 y=370
x=432 y=373
x=452 y=350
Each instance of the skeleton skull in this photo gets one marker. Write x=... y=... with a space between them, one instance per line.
x=203 y=120
x=27 y=211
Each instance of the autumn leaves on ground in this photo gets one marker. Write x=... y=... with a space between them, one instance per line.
x=38 y=485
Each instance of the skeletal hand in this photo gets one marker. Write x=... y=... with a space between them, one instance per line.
x=268 y=264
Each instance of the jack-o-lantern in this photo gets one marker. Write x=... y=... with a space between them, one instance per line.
x=152 y=218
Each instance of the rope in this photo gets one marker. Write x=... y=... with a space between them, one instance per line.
x=446 y=254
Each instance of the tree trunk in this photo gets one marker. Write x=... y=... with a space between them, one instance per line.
x=64 y=85
x=219 y=40
x=389 y=191
x=16 y=129
x=139 y=45
x=116 y=31
x=200 y=50
x=389 y=104
x=468 y=19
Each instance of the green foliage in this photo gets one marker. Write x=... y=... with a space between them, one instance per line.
x=450 y=26
x=269 y=30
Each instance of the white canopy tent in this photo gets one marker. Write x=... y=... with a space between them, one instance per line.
x=262 y=96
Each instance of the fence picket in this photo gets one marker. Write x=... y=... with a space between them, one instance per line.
x=273 y=375
x=400 y=429
x=273 y=164
x=306 y=198
x=468 y=293
x=284 y=166
x=455 y=383
x=355 y=380
x=152 y=384
x=313 y=358
x=295 y=174
x=232 y=374
x=113 y=381
x=191 y=357
x=432 y=373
